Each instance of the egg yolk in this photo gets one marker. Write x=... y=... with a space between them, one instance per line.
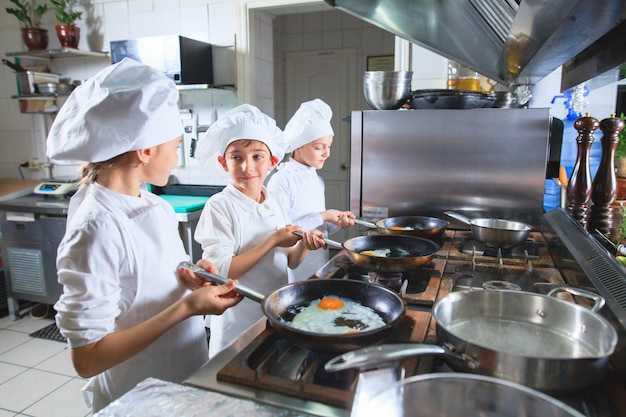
x=354 y=331
x=330 y=303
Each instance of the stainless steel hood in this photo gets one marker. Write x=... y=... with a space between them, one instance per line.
x=514 y=42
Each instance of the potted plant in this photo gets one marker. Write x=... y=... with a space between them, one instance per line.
x=67 y=31
x=29 y=13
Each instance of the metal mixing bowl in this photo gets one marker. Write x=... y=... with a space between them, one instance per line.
x=386 y=90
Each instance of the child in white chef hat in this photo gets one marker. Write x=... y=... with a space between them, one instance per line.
x=124 y=313
x=309 y=136
x=244 y=229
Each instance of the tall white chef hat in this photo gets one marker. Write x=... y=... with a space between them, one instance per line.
x=310 y=122
x=125 y=107
x=243 y=122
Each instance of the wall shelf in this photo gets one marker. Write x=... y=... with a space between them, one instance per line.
x=61 y=53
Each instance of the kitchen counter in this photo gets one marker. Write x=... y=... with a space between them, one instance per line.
x=155 y=397
x=11 y=188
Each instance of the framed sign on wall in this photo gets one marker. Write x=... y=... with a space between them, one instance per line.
x=380 y=63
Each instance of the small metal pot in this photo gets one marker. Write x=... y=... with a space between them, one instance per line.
x=496 y=232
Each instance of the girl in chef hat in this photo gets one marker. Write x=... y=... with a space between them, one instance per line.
x=125 y=315
x=244 y=229
x=309 y=135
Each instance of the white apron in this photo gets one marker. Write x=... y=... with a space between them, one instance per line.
x=180 y=351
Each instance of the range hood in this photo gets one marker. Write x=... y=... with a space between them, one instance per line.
x=513 y=42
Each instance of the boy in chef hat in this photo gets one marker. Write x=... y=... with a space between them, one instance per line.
x=309 y=136
x=244 y=229
x=124 y=314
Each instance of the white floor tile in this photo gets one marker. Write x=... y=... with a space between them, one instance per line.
x=8 y=371
x=28 y=325
x=10 y=339
x=27 y=388
x=4 y=413
x=61 y=363
x=32 y=352
x=67 y=401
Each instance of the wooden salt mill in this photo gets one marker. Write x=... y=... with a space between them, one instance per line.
x=604 y=190
x=579 y=187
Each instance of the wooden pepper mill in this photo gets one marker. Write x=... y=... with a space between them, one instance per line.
x=580 y=185
x=604 y=190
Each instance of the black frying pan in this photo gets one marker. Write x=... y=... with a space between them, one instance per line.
x=280 y=306
x=405 y=252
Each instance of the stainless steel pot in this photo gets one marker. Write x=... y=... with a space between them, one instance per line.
x=420 y=226
x=532 y=339
x=280 y=306
x=459 y=395
x=496 y=232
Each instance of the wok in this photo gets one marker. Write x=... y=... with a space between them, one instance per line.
x=420 y=226
x=449 y=99
x=531 y=339
x=496 y=232
x=406 y=252
x=282 y=304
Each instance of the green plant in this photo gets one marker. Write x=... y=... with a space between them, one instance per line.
x=28 y=12
x=621 y=228
x=64 y=11
x=620 y=151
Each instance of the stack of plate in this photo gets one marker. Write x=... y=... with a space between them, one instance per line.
x=387 y=90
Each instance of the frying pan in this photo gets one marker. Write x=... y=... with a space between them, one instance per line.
x=282 y=304
x=405 y=252
x=496 y=232
x=420 y=226
x=532 y=339
x=13 y=66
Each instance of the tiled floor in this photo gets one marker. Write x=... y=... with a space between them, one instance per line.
x=36 y=375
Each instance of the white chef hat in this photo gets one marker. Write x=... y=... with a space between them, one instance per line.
x=310 y=122
x=243 y=122
x=125 y=107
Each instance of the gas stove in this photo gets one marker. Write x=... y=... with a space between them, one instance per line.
x=263 y=367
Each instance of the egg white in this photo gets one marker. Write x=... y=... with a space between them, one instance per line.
x=315 y=319
x=382 y=253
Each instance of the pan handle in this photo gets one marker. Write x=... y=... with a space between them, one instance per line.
x=365 y=223
x=460 y=217
x=218 y=279
x=374 y=355
x=329 y=242
x=598 y=301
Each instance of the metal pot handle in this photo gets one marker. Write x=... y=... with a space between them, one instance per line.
x=598 y=301
x=329 y=242
x=460 y=217
x=374 y=355
x=365 y=223
x=218 y=279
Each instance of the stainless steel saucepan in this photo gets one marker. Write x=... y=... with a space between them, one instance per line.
x=532 y=339
x=496 y=232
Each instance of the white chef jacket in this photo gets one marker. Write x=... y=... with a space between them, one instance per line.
x=117 y=265
x=232 y=223
x=303 y=191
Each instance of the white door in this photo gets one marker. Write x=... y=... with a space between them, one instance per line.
x=328 y=75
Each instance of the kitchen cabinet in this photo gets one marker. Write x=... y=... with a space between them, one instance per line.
x=49 y=102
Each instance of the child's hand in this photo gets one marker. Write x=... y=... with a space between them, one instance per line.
x=285 y=238
x=313 y=240
x=345 y=219
x=191 y=280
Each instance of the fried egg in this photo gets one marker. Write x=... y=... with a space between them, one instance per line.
x=402 y=228
x=337 y=315
x=382 y=253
